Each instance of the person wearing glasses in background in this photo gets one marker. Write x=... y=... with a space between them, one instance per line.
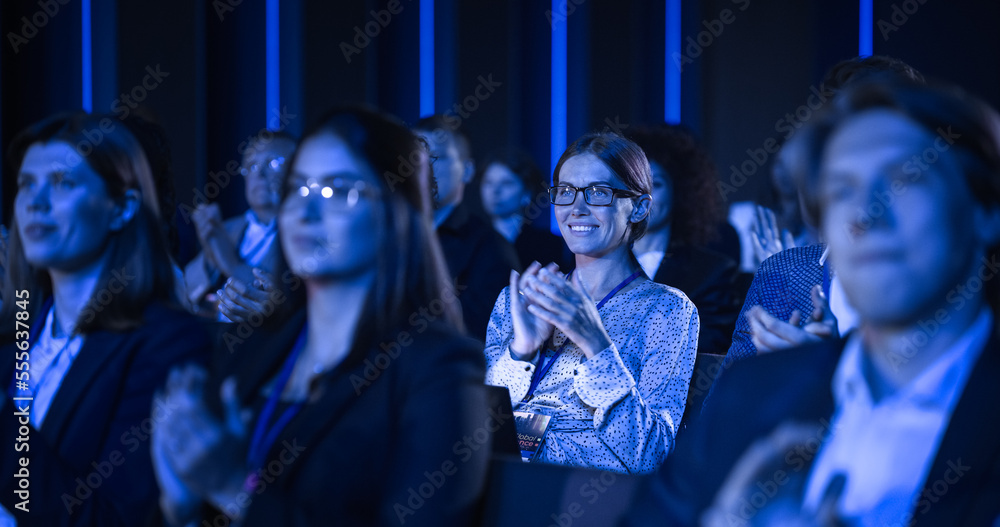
x=233 y=248
x=606 y=353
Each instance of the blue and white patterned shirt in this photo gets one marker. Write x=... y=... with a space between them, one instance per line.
x=618 y=411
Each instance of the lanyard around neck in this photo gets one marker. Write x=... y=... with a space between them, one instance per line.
x=264 y=437
x=544 y=367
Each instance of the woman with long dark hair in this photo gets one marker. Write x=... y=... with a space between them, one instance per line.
x=339 y=416
x=686 y=214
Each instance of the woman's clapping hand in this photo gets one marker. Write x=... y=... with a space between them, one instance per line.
x=196 y=456
x=530 y=331
x=566 y=305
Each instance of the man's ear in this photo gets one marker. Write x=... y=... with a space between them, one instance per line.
x=641 y=208
x=126 y=209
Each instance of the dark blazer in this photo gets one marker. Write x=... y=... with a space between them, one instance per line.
x=708 y=278
x=395 y=436
x=479 y=261
x=92 y=453
x=756 y=395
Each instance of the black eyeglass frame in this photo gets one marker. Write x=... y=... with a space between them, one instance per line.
x=615 y=192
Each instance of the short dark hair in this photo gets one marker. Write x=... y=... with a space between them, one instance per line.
x=696 y=208
x=855 y=70
x=972 y=124
x=138 y=250
x=876 y=68
x=411 y=266
x=440 y=123
x=623 y=158
x=522 y=165
x=266 y=136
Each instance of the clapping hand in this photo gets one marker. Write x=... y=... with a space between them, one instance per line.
x=238 y=301
x=530 y=331
x=766 y=237
x=219 y=250
x=196 y=456
x=765 y=458
x=771 y=334
x=567 y=305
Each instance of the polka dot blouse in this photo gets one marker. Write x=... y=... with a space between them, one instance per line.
x=619 y=410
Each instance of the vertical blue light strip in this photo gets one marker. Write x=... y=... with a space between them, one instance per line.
x=672 y=68
x=559 y=61
x=426 y=57
x=273 y=62
x=558 y=103
x=865 y=28
x=87 y=63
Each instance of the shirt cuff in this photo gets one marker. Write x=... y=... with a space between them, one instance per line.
x=517 y=372
x=603 y=380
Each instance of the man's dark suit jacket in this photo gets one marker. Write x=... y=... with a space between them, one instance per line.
x=201 y=277
x=708 y=278
x=479 y=261
x=386 y=429
x=92 y=453
x=757 y=394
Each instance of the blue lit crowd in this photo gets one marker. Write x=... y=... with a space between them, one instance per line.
x=353 y=348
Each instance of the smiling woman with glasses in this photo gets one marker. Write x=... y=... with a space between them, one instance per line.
x=351 y=401
x=606 y=354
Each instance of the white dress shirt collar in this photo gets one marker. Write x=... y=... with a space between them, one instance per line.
x=886 y=449
x=939 y=384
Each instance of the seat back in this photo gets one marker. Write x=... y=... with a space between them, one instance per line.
x=706 y=368
x=505 y=438
x=520 y=494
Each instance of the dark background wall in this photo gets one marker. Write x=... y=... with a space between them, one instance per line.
x=761 y=66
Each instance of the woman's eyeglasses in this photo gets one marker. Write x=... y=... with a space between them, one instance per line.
x=599 y=195
x=338 y=193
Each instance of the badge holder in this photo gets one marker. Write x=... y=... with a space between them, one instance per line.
x=531 y=429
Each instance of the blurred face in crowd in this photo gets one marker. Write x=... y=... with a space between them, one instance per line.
x=329 y=219
x=659 y=213
x=791 y=158
x=263 y=171
x=502 y=191
x=448 y=166
x=592 y=230
x=900 y=236
x=64 y=214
